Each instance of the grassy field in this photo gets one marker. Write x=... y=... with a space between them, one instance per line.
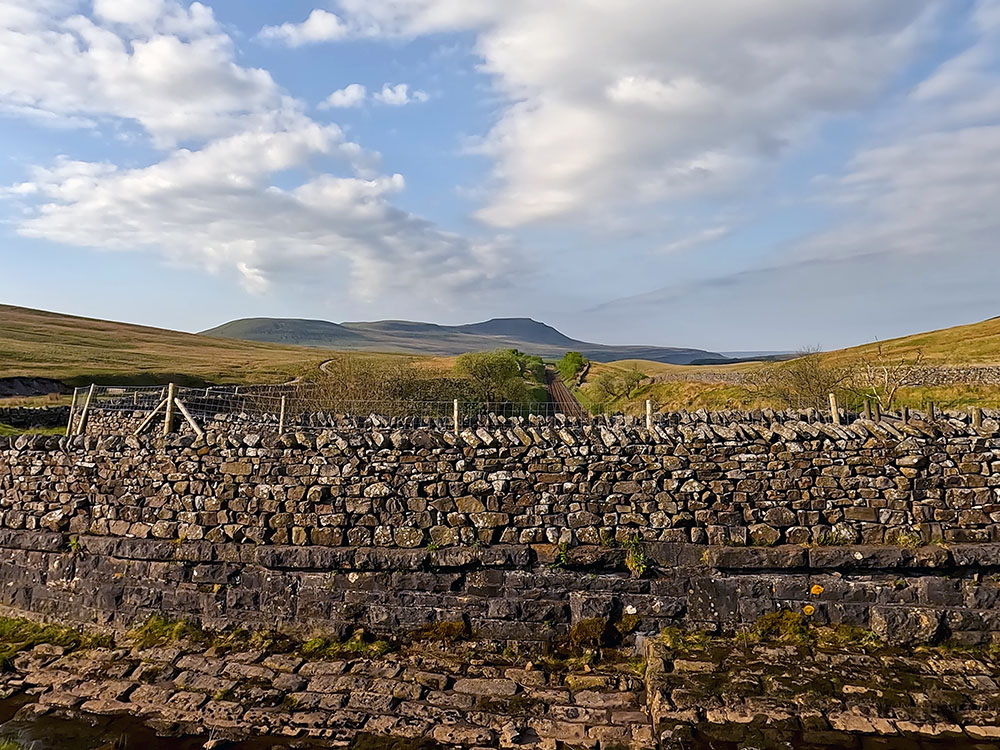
x=8 y=431
x=79 y=351
x=975 y=345
x=713 y=396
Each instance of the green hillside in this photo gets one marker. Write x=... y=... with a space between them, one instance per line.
x=974 y=344
x=79 y=350
x=405 y=336
x=711 y=387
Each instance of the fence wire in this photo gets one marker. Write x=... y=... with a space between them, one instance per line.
x=299 y=407
x=304 y=407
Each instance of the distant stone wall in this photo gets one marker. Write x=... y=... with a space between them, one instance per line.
x=24 y=417
x=926 y=376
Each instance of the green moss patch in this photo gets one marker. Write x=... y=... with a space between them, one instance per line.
x=18 y=634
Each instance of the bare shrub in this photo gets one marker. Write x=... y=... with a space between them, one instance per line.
x=803 y=382
x=878 y=376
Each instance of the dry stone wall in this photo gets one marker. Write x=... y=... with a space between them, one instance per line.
x=519 y=528
x=698 y=481
x=26 y=417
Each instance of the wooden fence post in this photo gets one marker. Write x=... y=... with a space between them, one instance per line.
x=977 y=417
x=82 y=424
x=868 y=409
x=649 y=414
x=72 y=411
x=190 y=420
x=905 y=414
x=454 y=415
x=281 y=416
x=168 y=423
x=834 y=410
x=878 y=412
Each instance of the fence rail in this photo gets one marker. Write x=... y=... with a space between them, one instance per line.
x=284 y=408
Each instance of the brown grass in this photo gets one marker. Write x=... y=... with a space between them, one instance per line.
x=82 y=350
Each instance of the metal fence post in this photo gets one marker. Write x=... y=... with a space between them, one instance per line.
x=454 y=414
x=281 y=416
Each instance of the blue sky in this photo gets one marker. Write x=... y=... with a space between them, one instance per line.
x=725 y=174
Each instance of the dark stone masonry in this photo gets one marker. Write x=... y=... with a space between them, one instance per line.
x=524 y=532
x=27 y=417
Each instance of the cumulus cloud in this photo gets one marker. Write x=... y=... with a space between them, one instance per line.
x=399 y=95
x=352 y=95
x=218 y=209
x=172 y=73
x=320 y=26
x=651 y=100
x=226 y=134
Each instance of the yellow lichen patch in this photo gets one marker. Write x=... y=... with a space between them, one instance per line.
x=816 y=589
x=808 y=610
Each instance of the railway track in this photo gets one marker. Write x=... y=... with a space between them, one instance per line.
x=562 y=398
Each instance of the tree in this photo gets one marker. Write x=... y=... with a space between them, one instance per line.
x=879 y=377
x=570 y=365
x=803 y=382
x=494 y=376
x=609 y=385
x=632 y=379
x=359 y=383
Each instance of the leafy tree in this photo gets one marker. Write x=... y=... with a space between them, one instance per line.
x=570 y=365
x=494 y=376
x=610 y=385
x=632 y=379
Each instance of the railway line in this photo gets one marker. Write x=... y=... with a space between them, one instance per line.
x=562 y=398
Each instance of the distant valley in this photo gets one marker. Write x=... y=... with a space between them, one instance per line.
x=411 y=337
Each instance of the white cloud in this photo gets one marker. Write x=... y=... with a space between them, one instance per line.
x=911 y=243
x=214 y=203
x=320 y=26
x=609 y=104
x=932 y=185
x=399 y=95
x=217 y=209
x=173 y=74
x=352 y=95
x=702 y=237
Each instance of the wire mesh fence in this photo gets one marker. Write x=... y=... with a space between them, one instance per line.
x=286 y=408
x=304 y=407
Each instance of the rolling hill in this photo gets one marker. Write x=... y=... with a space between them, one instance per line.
x=411 y=337
x=76 y=350
x=973 y=344
x=965 y=347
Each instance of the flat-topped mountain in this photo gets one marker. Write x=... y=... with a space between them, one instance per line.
x=429 y=338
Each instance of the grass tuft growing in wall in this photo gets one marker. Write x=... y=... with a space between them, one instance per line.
x=18 y=634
